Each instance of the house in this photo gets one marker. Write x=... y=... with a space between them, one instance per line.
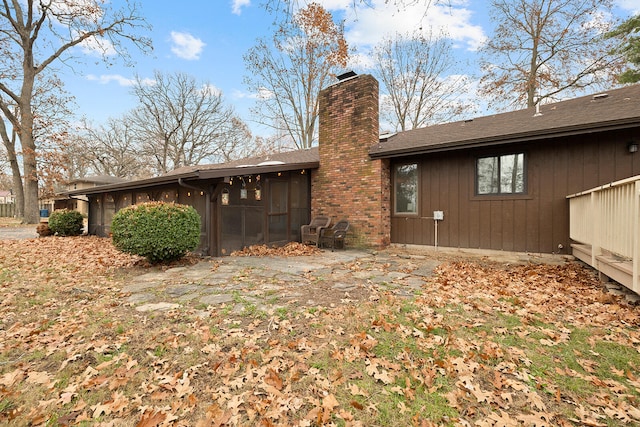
x=497 y=182
x=7 y=203
x=262 y=200
x=502 y=180
x=7 y=197
x=79 y=203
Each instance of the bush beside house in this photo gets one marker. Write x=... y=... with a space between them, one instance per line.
x=157 y=231
x=66 y=222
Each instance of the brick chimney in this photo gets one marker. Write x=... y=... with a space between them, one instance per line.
x=348 y=184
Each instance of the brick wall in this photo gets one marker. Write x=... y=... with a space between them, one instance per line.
x=348 y=184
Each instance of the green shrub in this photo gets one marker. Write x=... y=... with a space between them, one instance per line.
x=156 y=230
x=64 y=222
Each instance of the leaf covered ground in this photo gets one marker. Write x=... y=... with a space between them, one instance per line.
x=481 y=344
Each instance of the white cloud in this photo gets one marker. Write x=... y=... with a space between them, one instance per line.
x=262 y=93
x=237 y=5
x=98 y=47
x=633 y=6
x=368 y=26
x=121 y=80
x=211 y=90
x=186 y=46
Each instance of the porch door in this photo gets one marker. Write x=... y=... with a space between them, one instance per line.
x=278 y=212
x=241 y=221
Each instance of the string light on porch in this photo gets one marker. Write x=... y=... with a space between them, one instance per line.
x=258 y=190
x=243 y=190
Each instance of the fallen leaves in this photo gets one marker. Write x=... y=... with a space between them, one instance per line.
x=481 y=344
x=288 y=250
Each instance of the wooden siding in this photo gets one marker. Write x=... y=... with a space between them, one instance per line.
x=7 y=209
x=537 y=221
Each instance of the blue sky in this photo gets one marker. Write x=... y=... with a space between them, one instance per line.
x=208 y=38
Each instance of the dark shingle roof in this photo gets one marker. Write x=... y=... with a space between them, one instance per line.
x=614 y=109
x=290 y=157
x=280 y=162
x=98 y=179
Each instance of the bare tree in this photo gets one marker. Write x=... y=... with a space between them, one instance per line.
x=33 y=35
x=289 y=71
x=420 y=84
x=542 y=48
x=52 y=109
x=9 y=137
x=109 y=149
x=288 y=7
x=180 y=122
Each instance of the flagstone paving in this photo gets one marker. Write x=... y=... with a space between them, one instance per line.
x=269 y=283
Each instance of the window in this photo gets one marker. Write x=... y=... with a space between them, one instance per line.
x=406 y=188
x=500 y=174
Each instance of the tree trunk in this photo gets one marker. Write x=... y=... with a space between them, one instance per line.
x=18 y=189
x=31 y=204
x=16 y=176
x=25 y=133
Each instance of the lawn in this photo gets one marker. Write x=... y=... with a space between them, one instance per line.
x=481 y=344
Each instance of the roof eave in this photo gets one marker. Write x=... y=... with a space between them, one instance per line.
x=194 y=175
x=506 y=139
x=256 y=170
x=143 y=183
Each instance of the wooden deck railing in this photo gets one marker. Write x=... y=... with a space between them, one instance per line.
x=604 y=225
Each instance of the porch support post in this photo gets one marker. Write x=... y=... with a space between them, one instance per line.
x=208 y=222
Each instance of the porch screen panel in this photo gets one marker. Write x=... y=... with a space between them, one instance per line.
x=108 y=212
x=300 y=206
x=95 y=216
x=278 y=228
x=232 y=221
x=278 y=211
x=253 y=226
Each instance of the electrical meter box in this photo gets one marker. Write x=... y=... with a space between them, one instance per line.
x=438 y=215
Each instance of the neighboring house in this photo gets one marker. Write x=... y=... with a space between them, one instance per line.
x=80 y=202
x=500 y=182
x=7 y=204
x=7 y=197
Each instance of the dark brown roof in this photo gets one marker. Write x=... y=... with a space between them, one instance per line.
x=98 y=179
x=280 y=162
x=289 y=157
x=614 y=109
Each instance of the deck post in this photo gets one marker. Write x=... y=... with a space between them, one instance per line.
x=596 y=248
x=636 y=241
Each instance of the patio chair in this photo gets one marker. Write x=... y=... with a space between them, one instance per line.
x=311 y=232
x=335 y=235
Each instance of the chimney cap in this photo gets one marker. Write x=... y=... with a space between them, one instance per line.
x=346 y=75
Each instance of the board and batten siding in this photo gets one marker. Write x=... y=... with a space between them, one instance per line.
x=537 y=221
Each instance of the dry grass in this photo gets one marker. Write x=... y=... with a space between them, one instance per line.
x=482 y=344
x=10 y=222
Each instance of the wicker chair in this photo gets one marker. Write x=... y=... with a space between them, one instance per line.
x=312 y=231
x=335 y=235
